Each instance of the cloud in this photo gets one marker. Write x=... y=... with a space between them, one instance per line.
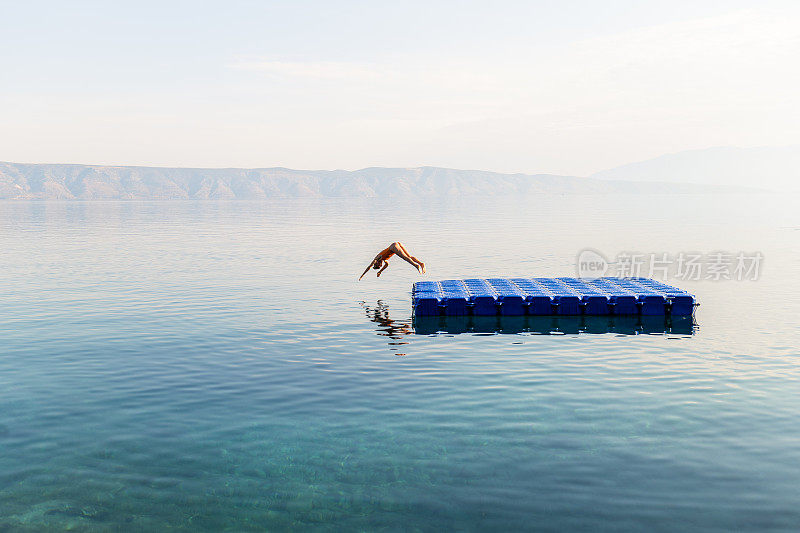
x=722 y=57
x=567 y=106
x=330 y=70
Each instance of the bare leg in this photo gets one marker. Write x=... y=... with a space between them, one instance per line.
x=417 y=261
x=401 y=252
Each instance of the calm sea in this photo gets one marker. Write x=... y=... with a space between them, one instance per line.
x=197 y=366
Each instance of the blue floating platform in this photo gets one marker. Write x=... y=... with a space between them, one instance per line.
x=550 y=296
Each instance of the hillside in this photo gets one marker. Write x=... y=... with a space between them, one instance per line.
x=776 y=168
x=92 y=182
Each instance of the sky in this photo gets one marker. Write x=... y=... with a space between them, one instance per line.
x=537 y=86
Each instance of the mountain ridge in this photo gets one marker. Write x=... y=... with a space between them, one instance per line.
x=772 y=167
x=70 y=181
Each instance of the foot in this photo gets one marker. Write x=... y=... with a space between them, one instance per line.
x=421 y=268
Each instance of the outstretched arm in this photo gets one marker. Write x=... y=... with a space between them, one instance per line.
x=366 y=269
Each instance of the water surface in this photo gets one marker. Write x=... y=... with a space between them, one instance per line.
x=215 y=366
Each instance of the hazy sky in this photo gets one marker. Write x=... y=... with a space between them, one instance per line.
x=547 y=86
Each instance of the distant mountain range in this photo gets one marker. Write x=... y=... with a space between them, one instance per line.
x=769 y=167
x=93 y=182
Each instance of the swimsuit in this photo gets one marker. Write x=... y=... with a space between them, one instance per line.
x=385 y=254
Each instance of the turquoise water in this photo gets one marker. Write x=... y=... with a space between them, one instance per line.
x=215 y=366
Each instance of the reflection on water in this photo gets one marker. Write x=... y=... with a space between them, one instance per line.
x=556 y=325
x=396 y=330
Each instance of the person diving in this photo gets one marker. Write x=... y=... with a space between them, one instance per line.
x=380 y=263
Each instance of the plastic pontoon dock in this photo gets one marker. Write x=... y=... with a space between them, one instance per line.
x=550 y=296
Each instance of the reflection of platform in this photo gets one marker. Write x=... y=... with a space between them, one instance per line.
x=546 y=325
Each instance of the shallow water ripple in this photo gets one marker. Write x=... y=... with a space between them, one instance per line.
x=215 y=366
